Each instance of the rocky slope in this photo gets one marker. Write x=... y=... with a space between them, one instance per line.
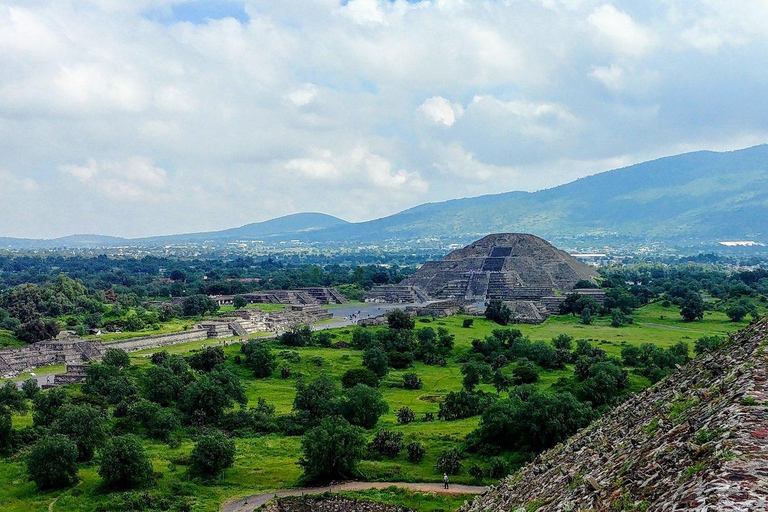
x=698 y=440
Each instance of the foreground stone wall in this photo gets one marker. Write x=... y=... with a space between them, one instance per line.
x=328 y=504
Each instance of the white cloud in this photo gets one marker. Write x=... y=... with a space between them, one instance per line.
x=359 y=109
x=620 y=32
x=439 y=110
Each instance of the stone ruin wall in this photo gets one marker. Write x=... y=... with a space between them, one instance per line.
x=329 y=503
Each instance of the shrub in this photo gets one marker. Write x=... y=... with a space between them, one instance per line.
x=375 y=359
x=285 y=371
x=449 y=462
x=83 y=424
x=400 y=360
x=297 y=336
x=416 y=452
x=355 y=376
x=239 y=301
x=463 y=404
x=124 y=464
x=116 y=357
x=318 y=399
x=363 y=406
x=46 y=407
x=52 y=463
x=525 y=372
x=706 y=344
x=405 y=415
x=30 y=388
x=412 y=381
x=497 y=311
x=259 y=358
x=207 y=359
x=467 y=323
x=399 y=319
x=387 y=443
x=331 y=449
x=212 y=454
x=619 y=318
x=429 y=416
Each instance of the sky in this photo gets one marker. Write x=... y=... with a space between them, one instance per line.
x=149 y=117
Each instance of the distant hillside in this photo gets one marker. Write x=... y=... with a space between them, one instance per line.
x=691 y=198
x=696 y=196
x=697 y=440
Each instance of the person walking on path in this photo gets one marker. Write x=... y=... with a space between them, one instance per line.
x=445 y=480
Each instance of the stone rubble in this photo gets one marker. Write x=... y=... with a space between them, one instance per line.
x=696 y=441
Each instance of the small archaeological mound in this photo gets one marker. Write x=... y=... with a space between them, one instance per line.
x=696 y=441
x=328 y=504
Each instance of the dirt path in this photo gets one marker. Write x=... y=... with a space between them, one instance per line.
x=253 y=502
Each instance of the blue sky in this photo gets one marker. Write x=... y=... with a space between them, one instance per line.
x=164 y=116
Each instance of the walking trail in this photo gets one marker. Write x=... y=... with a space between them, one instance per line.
x=253 y=502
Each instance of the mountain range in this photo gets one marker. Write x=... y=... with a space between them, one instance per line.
x=697 y=197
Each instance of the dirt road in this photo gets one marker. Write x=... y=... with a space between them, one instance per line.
x=252 y=502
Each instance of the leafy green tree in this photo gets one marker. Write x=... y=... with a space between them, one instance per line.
x=162 y=386
x=124 y=464
x=318 y=399
x=416 y=452
x=501 y=381
x=376 y=360
x=297 y=336
x=605 y=382
x=462 y=404
x=362 y=338
x=387 y=443
x=46 y=407
x=212 y=454
x=207 y=359
x=363 y=406
x=412 y=381
x=692 y=307
x=405 y=415
x=736 y=312
x=205 y=400
x=332 y=449
x=705 y=344
x=449 y=462
x=259 y=358
x=52 y=463
x=586 y=316
x=31 y=388
x=497 y=311
x=109 y=382
x=399 y=319
x=84 y=425
x=117 y=358
x=525 y=372
x=473 y=372
x=198 y=305
x=355 y=376
x=12 y=398
x=619 y=318
x=240 y=301
x=6 y=431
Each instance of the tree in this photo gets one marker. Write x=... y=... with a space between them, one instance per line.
x=387 y=443
x=52 y=463
x=332 y=449
x=586 y=316
x=37 y=330
x=162 y=386
x=473 y=373
x=525 y=372
x=84 y=425
x=399 y=319
x=363 y=405
x=31 y=388
x=605 y=382
x=412 y=381
x=497 y=311
x=207 y=359
x=46 y=406
x=124 y=463
x=376 y=360
x=692 y=307
x=705 y=345
x=117 y=358
x=212 y=454
x=239 y=301
x=198 y=305
x=108 y=381
x=318 y=399
x=416 y=452
x=6 y=431
x=297 y=336
x=405 y=415
x=619 y=318
x=449 y=462
x=501 y=382
x=260 y=359
x=11 y=398
x=355 y=376
x=205 y=400
x=736 y=312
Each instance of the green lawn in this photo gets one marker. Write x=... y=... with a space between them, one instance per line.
x=269 y=462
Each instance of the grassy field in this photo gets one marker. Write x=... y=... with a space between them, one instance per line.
x=269 y=462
